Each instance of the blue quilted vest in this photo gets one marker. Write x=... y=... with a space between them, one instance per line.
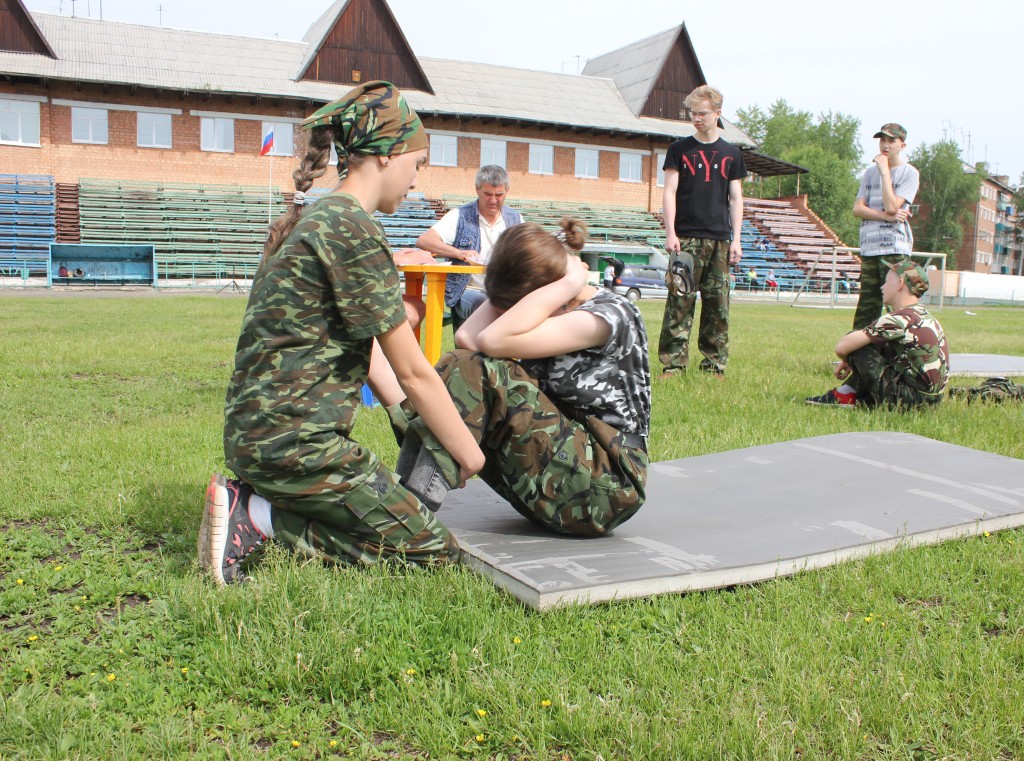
x=467 y=238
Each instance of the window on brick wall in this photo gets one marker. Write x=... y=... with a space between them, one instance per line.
x=154 y=130
x=659 y=159
x=19 y=122
x=587 y=163
x=542 y=159
x=217 y=134
x=631 y=166
x=284 y=138
x=493 y=152
x=444 y=150
x=89 y=125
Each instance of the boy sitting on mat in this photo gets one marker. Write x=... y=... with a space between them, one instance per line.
x=901 y=359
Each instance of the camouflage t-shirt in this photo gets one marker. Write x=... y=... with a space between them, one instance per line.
x=611 y=382
x=914 y=343
x=304 y=352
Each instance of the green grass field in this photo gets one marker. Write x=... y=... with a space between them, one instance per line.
x=114 y=646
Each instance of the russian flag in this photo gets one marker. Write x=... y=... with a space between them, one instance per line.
x=268 y=143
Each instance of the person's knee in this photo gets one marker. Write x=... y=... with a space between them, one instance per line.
x=415 y=310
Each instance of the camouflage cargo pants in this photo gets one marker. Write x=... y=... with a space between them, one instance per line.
x=997 y=389
x=873 y=271
x=878 y=383
x=351 y=510
x=711 y=274
x=579 y=478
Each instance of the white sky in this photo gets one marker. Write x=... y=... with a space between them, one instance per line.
x=943 y=69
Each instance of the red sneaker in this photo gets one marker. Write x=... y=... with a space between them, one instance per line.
x=834 y=397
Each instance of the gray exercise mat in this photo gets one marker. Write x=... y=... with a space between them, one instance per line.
x=748 y=515
x=985 y=365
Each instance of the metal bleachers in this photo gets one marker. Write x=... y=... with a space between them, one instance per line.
x=198 y=231
x=27 y=223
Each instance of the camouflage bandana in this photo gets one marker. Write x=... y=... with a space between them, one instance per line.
x=373 y=118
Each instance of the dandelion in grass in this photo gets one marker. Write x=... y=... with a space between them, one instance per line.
x=481 y=712
x=332 y=743
x=988 y=533
x=410 y=672
x=184 y=670
x=58 y=568
x=479 y=738
x=296 y=743
x=516 y=641
x=545 y=704
x=868 y=619
x=20 y=582
x=111 y=677
x=33 y=638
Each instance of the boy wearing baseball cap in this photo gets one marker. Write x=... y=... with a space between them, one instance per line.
x=883 y=206
x=900 y=360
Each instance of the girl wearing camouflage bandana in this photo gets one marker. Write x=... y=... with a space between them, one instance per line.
x=325 y=299
x=564 y=425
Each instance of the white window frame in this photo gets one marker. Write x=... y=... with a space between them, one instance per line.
x=89 y=126
x=542 y=159
x=631 y=167
x=211 y=131
x=148 y=125
x=494 y=152
x=444 y=150
x=659 y=160
x=18 y=114
x=585 y=159
x=284 y=138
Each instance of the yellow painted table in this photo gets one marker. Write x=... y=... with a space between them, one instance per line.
x=435 y=275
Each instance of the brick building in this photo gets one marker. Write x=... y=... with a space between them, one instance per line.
x=85 y=98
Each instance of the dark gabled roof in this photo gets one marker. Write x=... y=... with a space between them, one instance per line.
x=356 y=36
x=655 y=74
x=18 y=30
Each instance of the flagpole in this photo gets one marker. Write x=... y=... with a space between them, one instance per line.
x=270 y=191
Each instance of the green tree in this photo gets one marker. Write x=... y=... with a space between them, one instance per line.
x=949 y=195
x=826 y=145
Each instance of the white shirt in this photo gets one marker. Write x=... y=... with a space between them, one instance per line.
x=448 y=225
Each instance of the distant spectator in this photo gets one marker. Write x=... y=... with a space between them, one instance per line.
x=762 y=244
x=609 y=277
x=771 y=283
x=467 y=234
x=751 y=279
x=62 y=271
x=79 y=272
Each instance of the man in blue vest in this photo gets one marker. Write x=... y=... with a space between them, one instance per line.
x=467 y=234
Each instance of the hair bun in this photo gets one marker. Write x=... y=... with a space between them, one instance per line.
x=574 y=232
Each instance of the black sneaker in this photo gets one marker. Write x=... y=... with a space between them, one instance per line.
x=833 y=398
x=227 y=536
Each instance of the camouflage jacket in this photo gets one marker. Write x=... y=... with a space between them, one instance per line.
x=914 y=343
x=304 y=351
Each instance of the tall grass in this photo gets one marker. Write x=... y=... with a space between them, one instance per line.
x=113 y=646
